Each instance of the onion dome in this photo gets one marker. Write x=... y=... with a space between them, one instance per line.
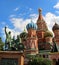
x=55 y=27
x=31 y=26
x=23 y=34
x=48 y=34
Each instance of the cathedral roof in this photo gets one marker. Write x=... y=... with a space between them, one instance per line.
x=48 y=34
x=40 y=18
x=41 y=22
x=31 y=25
x=55 y=27
x=23 y=34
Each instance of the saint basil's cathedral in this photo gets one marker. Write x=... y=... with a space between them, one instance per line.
x=39 y=38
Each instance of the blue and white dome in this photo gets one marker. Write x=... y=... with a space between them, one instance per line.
x=31 y=26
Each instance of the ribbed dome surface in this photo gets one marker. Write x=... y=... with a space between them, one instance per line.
x=23 y=35
x=31 y=26
x=48 y=34
x=55 y=27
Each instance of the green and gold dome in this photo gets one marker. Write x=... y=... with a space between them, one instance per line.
x=23 y=34
x=48 y=34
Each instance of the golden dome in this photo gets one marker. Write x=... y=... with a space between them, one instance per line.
x=48 y=34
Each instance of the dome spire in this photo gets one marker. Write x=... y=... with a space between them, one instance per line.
x=40 y=11
x=56 y=23
x=24 y=30
x=31 y=20
x=40 y=14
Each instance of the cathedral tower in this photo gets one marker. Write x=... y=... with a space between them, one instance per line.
x=32 y=44
x=56 y=33
x=42 y=27
x=48 y=40
x=48 y=37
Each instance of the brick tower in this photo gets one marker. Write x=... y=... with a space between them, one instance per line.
x=32 y=45
x=48 y=40
x=42 y=27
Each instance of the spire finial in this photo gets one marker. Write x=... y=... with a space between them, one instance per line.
x=31 y=20
x=55 y=21
x=40 y=10
x=24 y=30
x=40 y=14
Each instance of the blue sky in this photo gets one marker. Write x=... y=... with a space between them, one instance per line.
x=15 y=14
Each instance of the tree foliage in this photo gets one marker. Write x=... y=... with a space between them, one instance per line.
x=1 y=44
x=39 y=61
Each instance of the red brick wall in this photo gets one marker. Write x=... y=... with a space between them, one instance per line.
x=13 y=54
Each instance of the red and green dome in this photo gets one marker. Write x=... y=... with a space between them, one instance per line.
x=23 y=34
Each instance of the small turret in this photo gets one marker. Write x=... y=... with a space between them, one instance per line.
x=55 y=27
x=48 y=36
x=31 y=28
x=31 y=25
x=23 y=35
x=56 y=33
x=56 y=30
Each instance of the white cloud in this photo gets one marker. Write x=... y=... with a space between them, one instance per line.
x=16 y=9
x=12 y=15
x=19 y=23
x=57 y=5
x=50 y=19
x=33 y=15
x=30 y=9
x=22 y=14
x=57 y=12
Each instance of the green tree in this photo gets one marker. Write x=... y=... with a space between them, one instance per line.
x=1 y=44
x=39 y=61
